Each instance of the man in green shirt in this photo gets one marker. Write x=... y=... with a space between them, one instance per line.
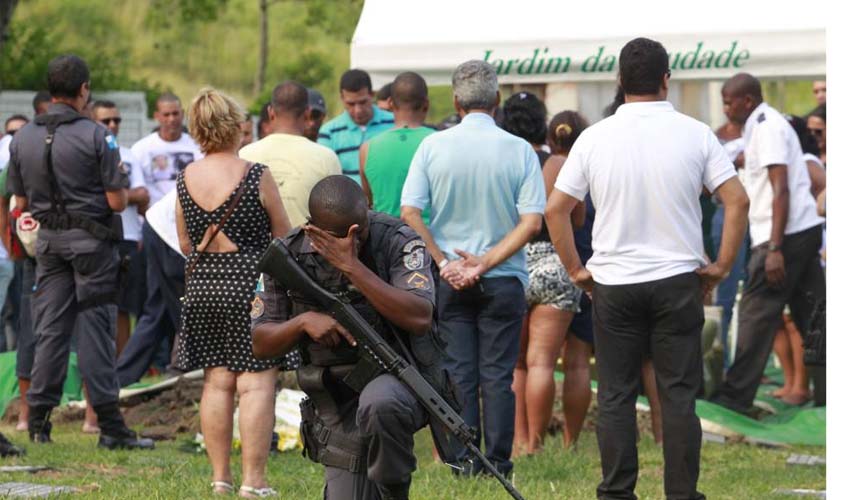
x=361 y=121
x=385 y=159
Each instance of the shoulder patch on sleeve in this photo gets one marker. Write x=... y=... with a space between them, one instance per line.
x=413 y=244
x=419 y=280
x=761 y=117
x=414 y=255
x=257 y=308
x=111 y=142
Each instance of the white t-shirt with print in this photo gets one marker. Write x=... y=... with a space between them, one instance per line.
x=644 y=168
x=771 y=140
x=132 y=222
x=161 y=161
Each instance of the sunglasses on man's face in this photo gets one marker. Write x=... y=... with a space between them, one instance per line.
x=816 y=131
x=116 y=120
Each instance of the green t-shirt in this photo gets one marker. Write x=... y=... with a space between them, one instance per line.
x=3 y=175
x=388 y=159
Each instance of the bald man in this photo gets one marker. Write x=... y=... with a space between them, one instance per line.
x=385 y=159
x=786 y=234
x=382 y=268
x=297 y=164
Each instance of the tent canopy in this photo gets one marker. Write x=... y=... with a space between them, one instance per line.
x=542 y=41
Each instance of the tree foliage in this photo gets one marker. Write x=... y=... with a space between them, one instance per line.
x=182 y=45
x=164 y=13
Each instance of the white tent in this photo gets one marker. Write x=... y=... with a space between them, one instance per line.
x=553 y=41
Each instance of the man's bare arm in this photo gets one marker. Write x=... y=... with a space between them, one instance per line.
x=736 y=203
x=412 y=216
x=139 y=197
x=780 y=202
x=559 y=220
x=362 y=162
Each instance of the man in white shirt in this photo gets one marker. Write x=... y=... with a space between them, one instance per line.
x=297 y=164
x=645 y=168
x=133 y=289
x=786 y=234
x=160 y=156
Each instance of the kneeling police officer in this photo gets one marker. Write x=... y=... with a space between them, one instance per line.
x=65 y=169
x=358 y=421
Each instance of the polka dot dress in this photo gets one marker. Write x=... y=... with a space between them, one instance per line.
x=215 y=313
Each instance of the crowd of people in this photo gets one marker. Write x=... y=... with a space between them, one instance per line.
x=496 y=244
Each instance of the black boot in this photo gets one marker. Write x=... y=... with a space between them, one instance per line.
x=394 y=491
x=114 y=433
x=7 y=449
x=39 y=424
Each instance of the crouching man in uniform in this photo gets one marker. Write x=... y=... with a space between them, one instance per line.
x=358 y=421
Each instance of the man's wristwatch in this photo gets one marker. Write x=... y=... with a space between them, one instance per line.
x=773 y=247
x=442 y=263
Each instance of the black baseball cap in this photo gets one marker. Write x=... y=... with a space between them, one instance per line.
x=316 y=101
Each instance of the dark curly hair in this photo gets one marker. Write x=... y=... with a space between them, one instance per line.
x=525 y=116
x=564 y=130
x=808 y=142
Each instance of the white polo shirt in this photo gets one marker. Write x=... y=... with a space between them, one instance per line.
x=645 y=168
x=771 y=140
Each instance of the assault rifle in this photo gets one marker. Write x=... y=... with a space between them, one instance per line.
x=278 y=262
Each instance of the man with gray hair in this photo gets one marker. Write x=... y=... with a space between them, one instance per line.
x=486 y=194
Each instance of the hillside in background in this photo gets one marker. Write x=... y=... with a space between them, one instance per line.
x=182 y=45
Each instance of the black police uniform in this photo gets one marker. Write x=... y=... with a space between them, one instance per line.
x=77 y=262
x=358 y=422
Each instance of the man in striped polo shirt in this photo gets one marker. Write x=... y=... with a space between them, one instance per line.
x=360 y=121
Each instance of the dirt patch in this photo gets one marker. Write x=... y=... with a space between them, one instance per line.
x=160 y=416
x=556 y=424
x=166 y=414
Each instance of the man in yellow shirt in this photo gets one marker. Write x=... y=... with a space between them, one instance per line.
x=297 y=164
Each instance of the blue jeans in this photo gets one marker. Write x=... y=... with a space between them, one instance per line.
x=726 y=291
x=481 y=326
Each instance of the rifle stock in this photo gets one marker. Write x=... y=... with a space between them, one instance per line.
x=280 y=264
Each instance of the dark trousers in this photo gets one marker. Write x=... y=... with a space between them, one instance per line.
x=387 y=415
x=761 y=312
x=26 y=337
x=481 y=326
x=664 y=317
x=162 y=308
x=76 y=277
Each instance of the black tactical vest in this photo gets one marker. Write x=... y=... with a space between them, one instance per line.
x=381 y=229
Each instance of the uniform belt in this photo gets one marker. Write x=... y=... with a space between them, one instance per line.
x=65 y=222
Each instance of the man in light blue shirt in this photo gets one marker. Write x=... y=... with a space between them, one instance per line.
x=360 y=122
x=487 y=197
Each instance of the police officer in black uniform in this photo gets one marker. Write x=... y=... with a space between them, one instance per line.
x=65 y=170
x=358 y=421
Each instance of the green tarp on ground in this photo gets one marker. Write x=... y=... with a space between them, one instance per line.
x=788 y=425
x=9 y=381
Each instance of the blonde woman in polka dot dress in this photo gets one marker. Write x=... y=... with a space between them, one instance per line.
x=219 y=287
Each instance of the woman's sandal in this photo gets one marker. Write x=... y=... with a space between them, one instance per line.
x=222 y=488
x=250 y=492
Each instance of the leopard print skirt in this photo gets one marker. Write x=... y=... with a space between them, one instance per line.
x=548 y=282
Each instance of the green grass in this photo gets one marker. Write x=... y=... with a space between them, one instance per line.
x=728 y=471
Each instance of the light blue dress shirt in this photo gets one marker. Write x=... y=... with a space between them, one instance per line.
x=478 y=180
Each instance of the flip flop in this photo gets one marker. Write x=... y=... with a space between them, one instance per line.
x=250 y=492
